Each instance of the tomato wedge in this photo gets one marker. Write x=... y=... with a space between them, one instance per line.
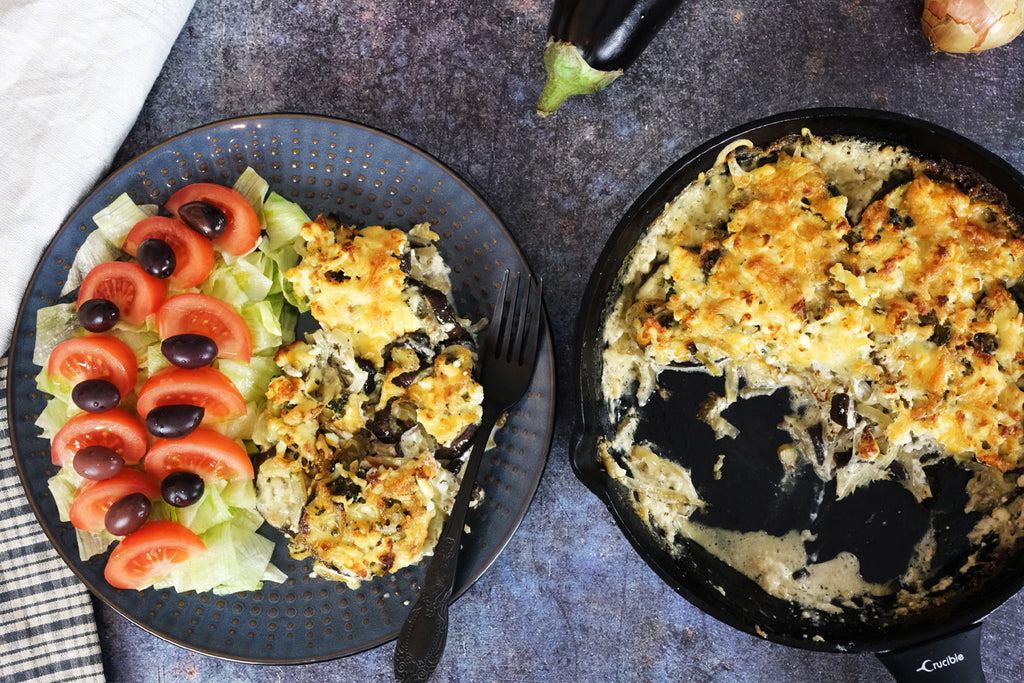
x=94 y=498
x=94 y=356
x=243 y=225
x=117 y=430
x=206 y=315
x=144 y=556
x=136 y=293
x=205 y=452
x=204 y=387
x=193 y=253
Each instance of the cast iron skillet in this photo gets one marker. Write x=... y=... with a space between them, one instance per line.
x=880 y=523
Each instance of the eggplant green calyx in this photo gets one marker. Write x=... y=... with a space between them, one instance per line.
x=569 y=74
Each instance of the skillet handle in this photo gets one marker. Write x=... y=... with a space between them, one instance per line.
x=955 y=658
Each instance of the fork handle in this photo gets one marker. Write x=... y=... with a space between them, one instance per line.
x=425 y=631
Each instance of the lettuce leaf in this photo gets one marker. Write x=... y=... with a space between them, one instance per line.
x=54 y=324
x=104 y=243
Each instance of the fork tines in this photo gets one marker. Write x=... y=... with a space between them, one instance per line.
x=517 y=318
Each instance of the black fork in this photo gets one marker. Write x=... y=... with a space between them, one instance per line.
x=507 y=362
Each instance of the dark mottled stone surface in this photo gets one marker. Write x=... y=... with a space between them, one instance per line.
x=568 y=600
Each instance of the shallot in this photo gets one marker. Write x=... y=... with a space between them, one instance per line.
x=971 y=25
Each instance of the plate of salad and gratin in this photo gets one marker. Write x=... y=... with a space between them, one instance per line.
x=175 y=399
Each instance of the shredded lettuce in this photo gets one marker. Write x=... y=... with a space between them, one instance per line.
x=63 y=486
x=251 y=378
x=225 y=518
x=58 y=409
x=54 y=324
x=204 y=514
x=264 y=323
x=254 y=188
x=155 y=361
x=236 y=558
x=247 y=278
x=284 y=220
x=103 y=244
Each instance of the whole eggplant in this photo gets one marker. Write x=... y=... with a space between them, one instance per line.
x=591 y=42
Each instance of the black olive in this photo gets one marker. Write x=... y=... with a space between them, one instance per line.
x=383 y=424
x=897 y=471
x=818 y=442
x=459 y=444
x=189 y=350
x=708 y=259
x=97 y=462
x=181 y=489
x=206 y=219
x=156 y=257
x=98 y=315
x=842 y=458
x=370 y=385
x=174 y=421
x=940 y=335
x=439 y=303
x=127 y=514
x=840 y=410
x=404 y=379
x=95 y=395
x=985 y=342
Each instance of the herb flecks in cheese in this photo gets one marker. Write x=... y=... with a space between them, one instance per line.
x=904 y=314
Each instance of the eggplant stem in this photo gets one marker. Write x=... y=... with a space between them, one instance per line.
x=569 y=74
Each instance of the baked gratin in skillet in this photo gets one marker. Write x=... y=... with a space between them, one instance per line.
x=853 y=273
x=800 y=357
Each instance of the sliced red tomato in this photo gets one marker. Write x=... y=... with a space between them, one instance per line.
x=193 y=253
x=204 y=387
x=135 y=292
x=117 y=430
x=205 y=452
x=94 y=498
x=243 y=225
x=94 y=356
x=201 y=314
x=144 y=556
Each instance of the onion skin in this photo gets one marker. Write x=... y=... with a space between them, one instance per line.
x=964 y=26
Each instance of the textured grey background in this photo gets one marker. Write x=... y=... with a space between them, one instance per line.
x=568 y=600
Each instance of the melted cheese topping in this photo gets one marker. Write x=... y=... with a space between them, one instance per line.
x=908 y=311
x=354 y=282
x=372 y=411
x=364 y=523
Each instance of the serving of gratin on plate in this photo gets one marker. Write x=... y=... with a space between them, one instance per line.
x=877 y=289
x=317 y=374
x=366 y=425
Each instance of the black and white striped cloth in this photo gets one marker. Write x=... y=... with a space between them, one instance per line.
x=75 y=75
x=47 y=626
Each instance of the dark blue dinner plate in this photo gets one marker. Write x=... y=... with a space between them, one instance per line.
x=365 y=177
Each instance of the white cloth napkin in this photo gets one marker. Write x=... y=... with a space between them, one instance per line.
x=73 y=77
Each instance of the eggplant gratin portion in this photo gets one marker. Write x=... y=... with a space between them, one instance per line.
x=365 y=430
x=877 y=287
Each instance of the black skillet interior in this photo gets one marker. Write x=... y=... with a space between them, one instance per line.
x=880 y=523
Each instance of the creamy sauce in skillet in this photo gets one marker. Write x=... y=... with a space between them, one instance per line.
x=781 y=567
